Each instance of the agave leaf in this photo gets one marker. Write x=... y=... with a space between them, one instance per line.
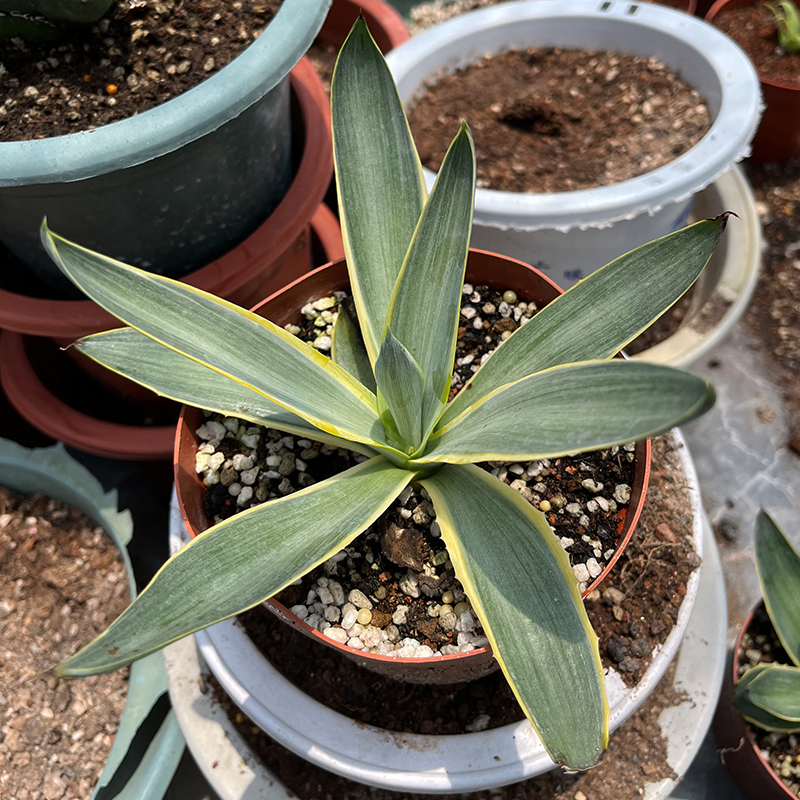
x=128 y=352
x=778 y=565
x=424 y=309
x=571 y=409
x=379 y=179
x=520 y=583
x=237 y=343
x=598 y=316
x=348 y=350
x=776 y=690
x=243 y=561
x=751 y=712
x=401 y=386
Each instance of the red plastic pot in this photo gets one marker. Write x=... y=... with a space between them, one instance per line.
x=735 y=742
x=275 y=254
x=778 y=134
x=53 y=395
x=384 y=23
x=284 y=307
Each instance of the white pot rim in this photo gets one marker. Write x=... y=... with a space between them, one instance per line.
x=441 y=764
x=597 y=25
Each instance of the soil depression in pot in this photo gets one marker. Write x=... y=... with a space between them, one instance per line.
x=568 y=234
x=613 y=527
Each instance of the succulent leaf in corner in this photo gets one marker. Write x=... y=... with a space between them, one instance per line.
x=550 y=389
x=47 y=19
x=768 y=695
x=787 y=21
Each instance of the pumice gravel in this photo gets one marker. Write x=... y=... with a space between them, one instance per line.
x=393 y=591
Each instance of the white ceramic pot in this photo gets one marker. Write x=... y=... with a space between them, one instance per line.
x=404 y=761
x=567 y=235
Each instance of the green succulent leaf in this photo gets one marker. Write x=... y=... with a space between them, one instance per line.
x=571 y=409
x=237 y=343
x=787 y=21
x=778 y=565
x=241 y=562
x=130 y=353
x=348 y=350
x=776 y=690
x=424 y=309
x=751 y=712
x=379 y=179
x=598 y=316
x=519 y=580
x=401 y=386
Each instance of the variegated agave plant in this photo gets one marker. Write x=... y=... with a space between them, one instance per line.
x=551 y=388
x=46 y=19
x=768 y=695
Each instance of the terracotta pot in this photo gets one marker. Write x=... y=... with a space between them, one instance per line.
x=384 y=22
x=738 y=749
x=284 y=307
x=275 y=254
x=52 y=394
x=778 y=134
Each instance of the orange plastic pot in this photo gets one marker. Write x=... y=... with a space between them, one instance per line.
x=277 y=253
x=778 y=134
x=110 y=418
x=284 y=307
x=384 y=23
x=735 y=742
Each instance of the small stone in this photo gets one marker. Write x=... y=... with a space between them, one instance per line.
x=359 y=599
x=594 y=568
x=544 y=505
x=581 y=573
x=613 y=596
x=349 y=618
x=628 y=665
x=622 y=493
x=579 y=795
x=299 y=611
x=617 y=649
x=356 y=643
x=337 y=634
x=400 y=615
x=480 y=723
x=574 y=509
x=332 y=614
x=640 y=648
x=592 y=485
x=509 y=297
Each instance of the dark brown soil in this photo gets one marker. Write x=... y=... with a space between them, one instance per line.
x=774 y=313
x=141 y=54
x=635 y=612
x=323 y=59
x=753 y=28
x=62 y=582
x=760 y=644
x=552 y=120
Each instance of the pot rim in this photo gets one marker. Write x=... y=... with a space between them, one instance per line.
x=748 y=734
x=186 y=478
x=715 y=9
x=656 y=26
x=75 y=318
x=189 y=116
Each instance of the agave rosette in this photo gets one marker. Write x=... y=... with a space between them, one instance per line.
x=550 y=389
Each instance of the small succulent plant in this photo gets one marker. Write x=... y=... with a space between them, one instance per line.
x=768 y=695
x=788 y=22
x=552 y=388
x=47 y=19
